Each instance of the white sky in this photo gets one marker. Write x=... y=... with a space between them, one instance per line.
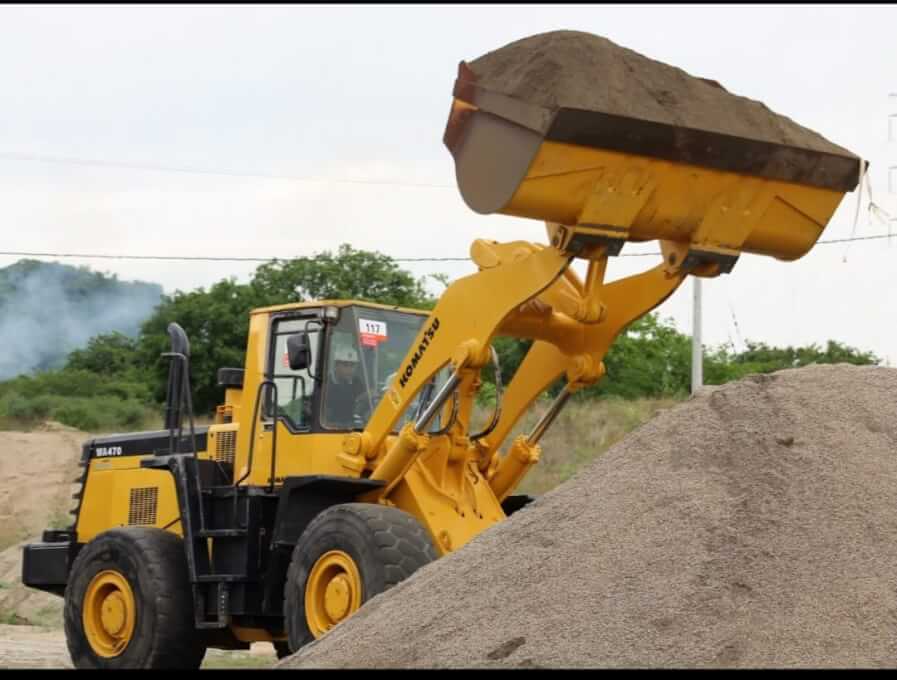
x=364 y=92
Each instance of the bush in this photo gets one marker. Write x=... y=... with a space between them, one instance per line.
x=128 y=414
x=77 y=414
x=42 y=406
x=16 y=407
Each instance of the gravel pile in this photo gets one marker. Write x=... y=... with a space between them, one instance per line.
x=753 y=525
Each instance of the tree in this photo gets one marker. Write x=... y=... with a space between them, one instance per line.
x=217 y=324
x=721 y=365
x=652 y=358
x=349 y=275
x=112 y=354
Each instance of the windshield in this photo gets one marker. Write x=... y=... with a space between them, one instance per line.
x=366 y=348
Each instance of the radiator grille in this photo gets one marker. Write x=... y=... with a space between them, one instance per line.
x=226 y=446
x=142 y=510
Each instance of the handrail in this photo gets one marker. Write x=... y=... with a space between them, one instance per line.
x=496 y=415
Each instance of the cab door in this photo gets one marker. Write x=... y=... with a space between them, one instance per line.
x=302 y=447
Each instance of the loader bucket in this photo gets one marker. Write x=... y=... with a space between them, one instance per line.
x=569 y=128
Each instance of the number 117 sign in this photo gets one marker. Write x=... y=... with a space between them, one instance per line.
x=372 y=332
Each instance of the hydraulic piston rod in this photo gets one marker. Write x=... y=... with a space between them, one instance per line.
x=548 y=418
x=444 y=392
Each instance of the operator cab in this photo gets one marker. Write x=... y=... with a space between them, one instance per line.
x=332 y=365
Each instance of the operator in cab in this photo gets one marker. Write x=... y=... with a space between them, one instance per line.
x=345 y=388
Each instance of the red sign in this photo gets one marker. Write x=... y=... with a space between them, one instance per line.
x=372 y=332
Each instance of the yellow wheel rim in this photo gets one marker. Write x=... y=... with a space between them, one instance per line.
x=109 y=613
x=332 y=592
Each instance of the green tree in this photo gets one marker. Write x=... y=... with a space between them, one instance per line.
x=721 y=365
x=217 y=324
x=112 y=354
x=347 y=275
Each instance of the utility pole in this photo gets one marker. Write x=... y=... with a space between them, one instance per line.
x=892 y=118
x=697 y=353
x=892 y=170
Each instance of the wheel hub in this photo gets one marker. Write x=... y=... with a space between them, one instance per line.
x=109 y=613
x=336 y=599
x=333 y=591
x=113 y=613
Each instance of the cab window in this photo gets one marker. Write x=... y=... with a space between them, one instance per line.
x=295 y=388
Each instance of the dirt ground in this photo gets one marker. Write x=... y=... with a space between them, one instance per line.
x=36 y=474
x=37 y=471
x=40 y=647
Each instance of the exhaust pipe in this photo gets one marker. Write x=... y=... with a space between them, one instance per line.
x=180 y=363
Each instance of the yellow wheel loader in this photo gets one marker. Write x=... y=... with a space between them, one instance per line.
x=342 y=458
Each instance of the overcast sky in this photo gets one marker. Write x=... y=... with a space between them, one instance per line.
x=345 y=92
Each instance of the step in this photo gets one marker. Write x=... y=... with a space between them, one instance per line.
x=221 y=533
x=221 y=578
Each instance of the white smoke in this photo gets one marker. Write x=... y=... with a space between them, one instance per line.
x=48 y=309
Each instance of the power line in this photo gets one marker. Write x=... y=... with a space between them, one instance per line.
x=14 y=156
x=212 y=258
x=855 y=238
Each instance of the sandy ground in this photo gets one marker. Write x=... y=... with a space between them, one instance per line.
x=32 y=647
x=40 y=647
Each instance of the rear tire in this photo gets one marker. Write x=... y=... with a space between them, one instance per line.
x=367 y=549
x=129 y=603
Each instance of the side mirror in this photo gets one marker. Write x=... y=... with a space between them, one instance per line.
x=299 y=351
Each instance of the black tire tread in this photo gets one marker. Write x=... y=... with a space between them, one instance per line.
x=404 y=546
x=401 y=543
x=177 y=643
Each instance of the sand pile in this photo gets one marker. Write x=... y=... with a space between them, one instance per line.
x=579 y=70
x=753 y=525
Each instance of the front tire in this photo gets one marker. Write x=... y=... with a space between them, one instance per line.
x=129 y=604
x=348 y=554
